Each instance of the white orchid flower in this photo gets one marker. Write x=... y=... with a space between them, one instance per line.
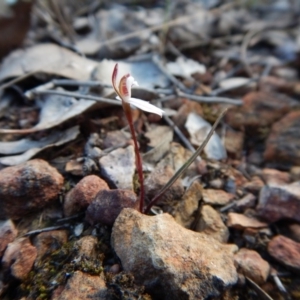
x=124 y=93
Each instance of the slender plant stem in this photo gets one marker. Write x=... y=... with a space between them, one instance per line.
x=139 y=164
x=185 y=165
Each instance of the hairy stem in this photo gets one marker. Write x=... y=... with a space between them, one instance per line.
x=138 y=158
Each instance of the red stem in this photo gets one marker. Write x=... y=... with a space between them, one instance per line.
x=139 y=165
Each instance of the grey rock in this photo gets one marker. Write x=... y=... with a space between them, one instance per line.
x=118 y=167
x=169 y=260
x=158 y=179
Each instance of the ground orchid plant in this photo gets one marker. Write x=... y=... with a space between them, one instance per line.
x=123 y=90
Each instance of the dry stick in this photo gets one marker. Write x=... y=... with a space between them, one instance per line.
x=37 y=231
x=76 y=95
x=260 y=292
x=244 y=47
x=209 y=99
x=184 y=92
x=186 y=165
x=172 y=78
x=230 y=88
x=18 y=79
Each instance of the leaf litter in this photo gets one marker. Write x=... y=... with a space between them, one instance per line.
x=214 y=54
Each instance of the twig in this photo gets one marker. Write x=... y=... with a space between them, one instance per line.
x=277 y=281
x=70 y=82
x=181 y=136
x=18 y=79
x=186 y=164
x=261 y=293
x=172 y=78
x=244 y=47
x=37 y=231
x=209 y=99
x=67 y=219
x=75 y=95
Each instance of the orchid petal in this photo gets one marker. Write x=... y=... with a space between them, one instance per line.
x=146 y=106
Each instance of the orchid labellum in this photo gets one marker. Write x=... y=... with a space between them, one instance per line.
x=123 y=91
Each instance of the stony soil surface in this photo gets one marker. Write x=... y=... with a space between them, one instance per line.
x=70 y=225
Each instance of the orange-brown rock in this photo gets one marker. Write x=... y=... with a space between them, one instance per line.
x=170 y=260
x=216 y=197
x=260 y=109
x=28 y=187
x=19 y=258
x=8 y=233
x=286 y=251
x=240 y=221
x=250 y=264
x=83 y=286
x=283 y=143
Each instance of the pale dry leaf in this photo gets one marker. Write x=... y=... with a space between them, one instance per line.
x=185 y=67
x=198 y=129
x=50 y=59
x=54 y=139
x=160 y=138
x=54 y=111
x=235 y=82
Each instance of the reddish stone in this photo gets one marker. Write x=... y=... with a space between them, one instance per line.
x=83 y=286
x=79 y=198
x=283 y=143
x=286 y=251
x=8 y=233
x=216 y=197
x=260 y=109
x=273 y=176
x=28 y=187
x=240 y=221
x=108 y=204
x=250 y=264
x=279 y=202
x=19 y=257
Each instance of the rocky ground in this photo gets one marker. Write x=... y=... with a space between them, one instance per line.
x=228 y=228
